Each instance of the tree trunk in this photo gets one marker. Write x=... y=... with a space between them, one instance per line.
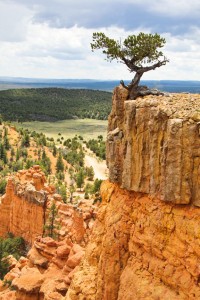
x=139 y=91
x=136 y=80
x=133 y=86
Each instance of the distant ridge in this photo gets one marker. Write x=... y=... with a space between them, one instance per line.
x=174 y=86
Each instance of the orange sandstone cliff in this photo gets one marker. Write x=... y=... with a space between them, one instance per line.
x=22 y=208
x=145 y=242
x=47 y=271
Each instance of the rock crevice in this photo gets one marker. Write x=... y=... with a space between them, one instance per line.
x=153 y=146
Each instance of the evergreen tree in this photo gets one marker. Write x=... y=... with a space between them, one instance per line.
x=140 y=53
x=51 y=227
x=44 y=156
x=25 y=140
x=97 y=185
x=6 y=142
x=12 y=153
x=17 y=155
x=3 y=183
x=59 y=164
x=54 y=150
x=62 y=191
x=11 y=245
x=90 y=173
x=72 y=189
x=3 y=154
x=80 y=178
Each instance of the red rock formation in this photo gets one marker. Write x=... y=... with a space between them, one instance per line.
x=140 y=248
x=154 y=145
x=22 y=208
x=47 y=271
x=144 y=244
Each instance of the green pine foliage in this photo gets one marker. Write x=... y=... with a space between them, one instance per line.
x=3 y=183
x=52 y=104
x=59 y=164
x=10 y=245
x=98 y=147
x=80 y=176
x=52 y=226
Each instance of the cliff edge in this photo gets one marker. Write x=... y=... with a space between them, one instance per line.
x=145 y=243
x=154 y=145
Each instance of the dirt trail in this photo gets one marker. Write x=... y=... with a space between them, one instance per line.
x=100 y=168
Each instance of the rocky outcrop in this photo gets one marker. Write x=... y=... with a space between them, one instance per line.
x=47 y=271
x=145 y=242
x=22 y=208
x=154 y=145
x=141 y=248
x=25 y=207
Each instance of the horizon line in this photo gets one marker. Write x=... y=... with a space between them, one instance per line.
x=84 y=79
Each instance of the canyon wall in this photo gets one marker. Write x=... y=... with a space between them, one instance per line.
x=154 y=145
x=48 y=269
x=22 y=208
x=140 y=248
x=146 y=240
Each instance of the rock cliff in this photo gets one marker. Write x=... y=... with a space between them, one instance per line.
x=145 y=242
x=154 y=145
x=47 y=271
x=22 y=208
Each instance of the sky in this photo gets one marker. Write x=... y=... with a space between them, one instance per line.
x=51 y=38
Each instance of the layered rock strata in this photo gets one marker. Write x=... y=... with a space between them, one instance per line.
x=145 y=242
x=47 y=271
x=26 y=204
x=154 y=145
x=140 y=248
x=22 y=208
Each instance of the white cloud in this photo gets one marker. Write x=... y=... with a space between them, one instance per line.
x=13 y=21
x=36 y=49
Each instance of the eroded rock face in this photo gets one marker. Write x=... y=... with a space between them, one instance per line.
x=153 y=145
x=140 y=248
x=22 y=208
x=25 y=206
x=47 y=271
x=144 y=244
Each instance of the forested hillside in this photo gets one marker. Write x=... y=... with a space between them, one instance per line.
x=52 y=104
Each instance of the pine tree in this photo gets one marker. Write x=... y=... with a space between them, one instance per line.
x=3 y=154
x=6 y=142
x=90 y=173
x=80 y=178
x=25 y=140
x=59 y=164
x=17 y=155
x=140 y=53
x=54 y=150
x=52 y=226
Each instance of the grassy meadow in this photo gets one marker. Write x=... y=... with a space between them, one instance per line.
x=88 y=128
